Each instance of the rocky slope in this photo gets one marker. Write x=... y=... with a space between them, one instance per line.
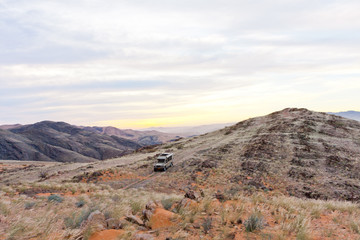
x=295 y=151
x=59 y=141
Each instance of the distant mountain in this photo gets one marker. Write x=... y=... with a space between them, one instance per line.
x=349 y=114
x=191 y=130
x=143 y=138
x=59 y=141
x=11 y=126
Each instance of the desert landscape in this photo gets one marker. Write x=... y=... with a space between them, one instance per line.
x=179 y=120
x=292 y=174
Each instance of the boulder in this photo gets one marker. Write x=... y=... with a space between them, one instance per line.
x=151 y=206
x=186 y=202
x=135 y=219
x=113 y=223
x=162 y=218
x=192 y=195
x=147 y=214
x=96 y=221
x=109 y=234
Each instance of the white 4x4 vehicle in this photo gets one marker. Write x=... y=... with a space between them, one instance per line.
x=164 y=161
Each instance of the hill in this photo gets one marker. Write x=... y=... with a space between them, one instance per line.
x=59 y=141
x=10 y=126
x=295 y=151
x=143 y=138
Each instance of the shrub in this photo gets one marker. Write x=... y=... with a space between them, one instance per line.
x=29 y=205
x=55 y=198
x=167 y=203
x=76 y=219
x=254 y=222
x=43 y=174
x=4 y=210
x=135 y=207
x=80 y=203
x=207 y=225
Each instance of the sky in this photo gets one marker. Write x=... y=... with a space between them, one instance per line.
x=138 y=63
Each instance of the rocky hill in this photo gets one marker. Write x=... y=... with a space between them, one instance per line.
x=304 y=153
x=59 y=141
x=295 y=151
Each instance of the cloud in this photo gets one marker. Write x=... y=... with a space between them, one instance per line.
x=91 y=61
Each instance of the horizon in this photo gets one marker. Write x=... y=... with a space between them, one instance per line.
x=136 y=65
x=173 y=126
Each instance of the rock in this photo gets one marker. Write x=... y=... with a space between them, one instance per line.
x=147 y=214
x=185 y=203
x=208 y=164
x=109 y=234
x=162 y=219
x=113 y=223
x=196 y=225
x=134 y=219
x=231 y=235
x=192 y=195
x=301 y=173
x=143 y=236
x=151 y=206
x=96 y=221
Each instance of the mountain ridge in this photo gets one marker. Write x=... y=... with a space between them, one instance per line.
x=60 y=141
x=355 y=115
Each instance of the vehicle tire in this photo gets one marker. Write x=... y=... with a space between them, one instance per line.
x=164 y=169
x=171 y=164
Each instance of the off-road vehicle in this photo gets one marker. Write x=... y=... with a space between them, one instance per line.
x=164 y=161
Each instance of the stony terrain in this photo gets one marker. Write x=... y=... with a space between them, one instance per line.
x=292 y=174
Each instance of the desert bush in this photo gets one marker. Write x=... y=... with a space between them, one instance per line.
x=167 y=203
x=354 y=226
x=299 y=225
x=43 y=174
x=135 y=207
x=207 y=225
x=55 y=198
x=29 y=205
x=80 y=203
x=76 y=219
x=206 y=204
x=17 y=230
x=4 y=210
x=254 y=222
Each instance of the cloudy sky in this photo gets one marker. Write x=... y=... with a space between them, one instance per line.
x=139 y=63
